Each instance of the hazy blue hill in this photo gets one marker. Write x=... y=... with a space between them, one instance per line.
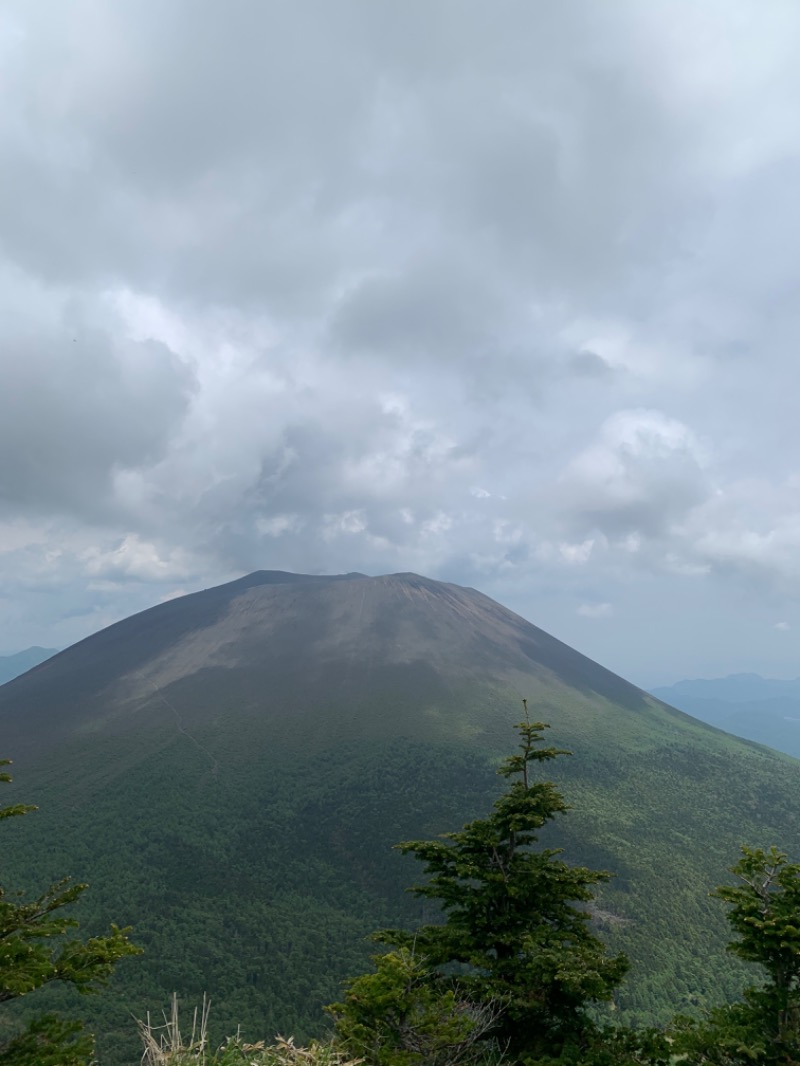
x=12 y=666
x=763 y=709
x=230 y=770
x=735 y=688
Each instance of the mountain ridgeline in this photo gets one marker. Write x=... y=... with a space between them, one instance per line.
x=763 y=709
x=230 y=770
x=12 y=666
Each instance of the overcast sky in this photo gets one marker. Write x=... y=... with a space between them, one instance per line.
x=502 y=293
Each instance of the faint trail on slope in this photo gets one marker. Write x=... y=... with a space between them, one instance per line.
x=181 y=727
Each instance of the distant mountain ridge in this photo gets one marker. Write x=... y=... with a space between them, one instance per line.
x=231 y=769
x=766 y=710
x=12 y=666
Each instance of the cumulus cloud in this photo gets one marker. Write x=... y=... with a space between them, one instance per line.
x=642 y=474
x=137 y=559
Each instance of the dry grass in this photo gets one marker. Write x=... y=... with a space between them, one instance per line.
x=164 y=1045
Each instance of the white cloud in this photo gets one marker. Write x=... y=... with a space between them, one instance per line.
x=642 y=474
x=137 y=559
x=595 y=610
x=349 y=522
x=278 y=524
x=577 y=554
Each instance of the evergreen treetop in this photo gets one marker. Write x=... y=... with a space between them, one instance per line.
x=516 y=927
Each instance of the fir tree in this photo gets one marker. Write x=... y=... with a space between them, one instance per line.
x=516 y=929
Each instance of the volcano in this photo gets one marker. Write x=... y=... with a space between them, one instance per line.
x=230 y=770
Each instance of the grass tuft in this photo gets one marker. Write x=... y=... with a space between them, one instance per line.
x=164 y=1045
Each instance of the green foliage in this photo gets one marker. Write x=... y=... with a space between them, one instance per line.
x=613 y=1046
x=732 y=1035
x=515 y=936
x=403 y=1015
x=49 y=1041
x=765 y=915
x=35 y=951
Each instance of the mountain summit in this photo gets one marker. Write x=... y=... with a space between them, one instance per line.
x=290 y=647
x=230 y=770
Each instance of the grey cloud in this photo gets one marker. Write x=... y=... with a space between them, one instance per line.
x=587 y=364
x=233 y=157
x=431 y=311
x=78 y=404
x=160 y=137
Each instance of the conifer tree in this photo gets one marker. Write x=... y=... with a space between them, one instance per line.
x=765 y=915
x=35 y=949
x=516 y=930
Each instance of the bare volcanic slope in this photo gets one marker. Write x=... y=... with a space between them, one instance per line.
x=295 y=649
x=230 y=770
